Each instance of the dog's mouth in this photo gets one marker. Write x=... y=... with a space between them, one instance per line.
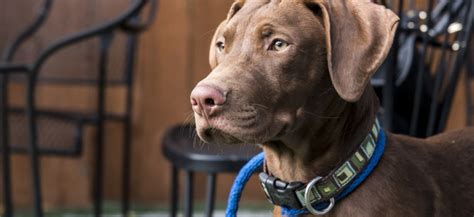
x=228 y=132
x=248 y=124
x=214 y=135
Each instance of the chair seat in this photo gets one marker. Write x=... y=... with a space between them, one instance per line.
x=183 y=148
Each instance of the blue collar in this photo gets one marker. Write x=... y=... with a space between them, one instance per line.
x=318 y=206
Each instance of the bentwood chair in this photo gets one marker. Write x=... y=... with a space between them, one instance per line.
x=29 y=129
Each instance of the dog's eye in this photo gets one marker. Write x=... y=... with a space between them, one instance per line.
x=220 y=46
x=278 y=45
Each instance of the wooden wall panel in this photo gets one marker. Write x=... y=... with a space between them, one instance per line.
x=161 y=98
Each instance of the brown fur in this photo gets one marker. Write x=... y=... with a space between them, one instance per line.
x=309 y=105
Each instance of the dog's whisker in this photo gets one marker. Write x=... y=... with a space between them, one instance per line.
x=204 y=113
x=189 y=119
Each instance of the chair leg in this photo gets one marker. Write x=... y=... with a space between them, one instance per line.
x=33 y=151
x=97 y=180
x=105 y=41
x=211 y=191
x=188 y=193
x=126 y=175
x=5 y=149
x=174 y=191
x=7 y=196
x=129 y=67
x=36 y=184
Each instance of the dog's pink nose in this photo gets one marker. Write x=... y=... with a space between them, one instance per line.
x=207 y=99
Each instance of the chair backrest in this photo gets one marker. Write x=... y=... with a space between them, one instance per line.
x=57 y=130
x=418 y=80
x=27 y=127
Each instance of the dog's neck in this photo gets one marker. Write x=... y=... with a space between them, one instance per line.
x=320 y=143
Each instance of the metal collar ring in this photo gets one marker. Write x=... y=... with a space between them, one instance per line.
x=307 y=201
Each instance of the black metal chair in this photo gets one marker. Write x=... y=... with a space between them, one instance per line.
x=185 y=151
x=35 y=131
x=418 y=80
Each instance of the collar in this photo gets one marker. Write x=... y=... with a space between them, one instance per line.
x=320 y=194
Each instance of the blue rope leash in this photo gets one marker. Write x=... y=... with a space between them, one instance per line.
x=256 y=162
x=242 y=178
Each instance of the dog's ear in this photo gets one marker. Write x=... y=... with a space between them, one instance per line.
x=236 y=6
x=359 y=34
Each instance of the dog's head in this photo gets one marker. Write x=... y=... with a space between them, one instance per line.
x=276 y=61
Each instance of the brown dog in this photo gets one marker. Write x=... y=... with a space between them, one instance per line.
x=292 y=76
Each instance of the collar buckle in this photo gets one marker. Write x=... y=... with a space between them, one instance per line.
x=279 y=192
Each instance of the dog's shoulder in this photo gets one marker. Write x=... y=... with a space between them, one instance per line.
x=455 y=137
x=454 y=140
x=452 y=147
x=450 y=163
x=444 y=162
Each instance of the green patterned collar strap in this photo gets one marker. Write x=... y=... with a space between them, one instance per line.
x=292 y=195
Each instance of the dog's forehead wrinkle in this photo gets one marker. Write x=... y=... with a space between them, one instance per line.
x=267 y=30
x=252 y=6
x=256 y=8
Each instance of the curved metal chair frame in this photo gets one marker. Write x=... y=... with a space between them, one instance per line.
x=429 y=35
x=129 y=22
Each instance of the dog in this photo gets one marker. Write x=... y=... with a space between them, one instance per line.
x=292 y=76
